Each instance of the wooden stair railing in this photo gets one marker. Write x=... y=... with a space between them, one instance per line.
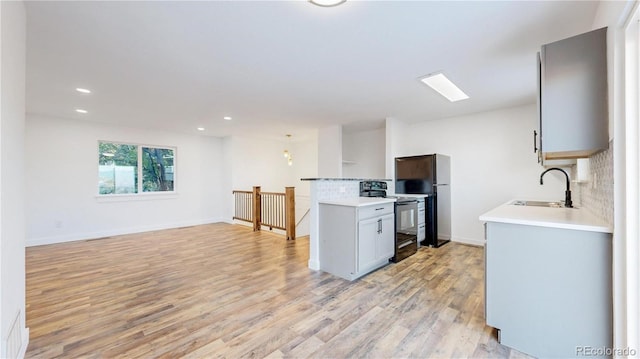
x=243 y=206
x=290 y=212
x=270 y=209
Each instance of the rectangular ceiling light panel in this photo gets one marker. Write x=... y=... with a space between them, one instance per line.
x=445 y=87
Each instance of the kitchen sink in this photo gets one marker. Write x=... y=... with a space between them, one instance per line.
x=539 y=204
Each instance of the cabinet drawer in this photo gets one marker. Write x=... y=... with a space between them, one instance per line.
x=375 y=211
x=422 y=232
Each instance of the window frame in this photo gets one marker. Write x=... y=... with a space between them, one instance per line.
x=140 y=194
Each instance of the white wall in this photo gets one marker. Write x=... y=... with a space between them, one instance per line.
x=306 y=166
x=62 y=201
x=254 y=161
x=394 y=144
x=226 y=204
x=12 y=216
x=492 y=161
x=259 y=161
x=305 y=163
x=366 y=149
x=330 y=152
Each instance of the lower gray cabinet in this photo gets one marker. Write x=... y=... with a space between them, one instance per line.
x=355 y=240
x=548 y=290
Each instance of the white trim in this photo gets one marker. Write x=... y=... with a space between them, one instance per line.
x=117 y=232
x=241 y=223
x=315 y=265
x=631 y=186
x=473 y=242
x=25 y=343
x=626 y=289
x=144 y=196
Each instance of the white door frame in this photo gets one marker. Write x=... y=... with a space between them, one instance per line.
x=626 y=281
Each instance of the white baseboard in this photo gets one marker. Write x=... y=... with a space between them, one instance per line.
x=25 y=343
x=315 y=265
x=473 y=242
x=117 y=232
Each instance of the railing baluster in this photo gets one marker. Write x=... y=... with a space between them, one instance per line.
x=276 y=210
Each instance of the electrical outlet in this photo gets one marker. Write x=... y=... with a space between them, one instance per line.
x=343 y=189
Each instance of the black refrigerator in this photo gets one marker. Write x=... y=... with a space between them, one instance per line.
x=429 y=175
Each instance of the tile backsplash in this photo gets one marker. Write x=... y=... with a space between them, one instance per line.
x=596 y=195
x=329 y=190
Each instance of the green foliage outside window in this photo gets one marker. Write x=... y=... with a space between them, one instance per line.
x=157 y=169
x=119 y=172
x=118 y=168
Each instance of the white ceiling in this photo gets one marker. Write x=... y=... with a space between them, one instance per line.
x=283 y=67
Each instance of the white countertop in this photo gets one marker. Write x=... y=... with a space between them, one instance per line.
x=358 y=201
x=344 y=179
x=409 y=195
x=566 y=218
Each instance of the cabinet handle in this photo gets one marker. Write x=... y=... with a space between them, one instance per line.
x=535 y=141
x=380 y=225
x=378 y=209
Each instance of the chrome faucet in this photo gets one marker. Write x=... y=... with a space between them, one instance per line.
x=567 y=193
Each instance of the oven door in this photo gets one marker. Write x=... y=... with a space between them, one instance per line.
x=406 y=229
x=407 y=217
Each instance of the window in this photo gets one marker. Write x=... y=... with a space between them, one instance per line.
x=127 y=168
x=157 y=169
x=118 y=168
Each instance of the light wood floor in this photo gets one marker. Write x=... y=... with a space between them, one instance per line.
x=224 y=291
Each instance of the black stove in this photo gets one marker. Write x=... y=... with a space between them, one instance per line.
x=373 y=189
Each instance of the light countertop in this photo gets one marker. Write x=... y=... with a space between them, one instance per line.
x=358 y=201
x=343 y=179
x=566 y=218
x=409 y=195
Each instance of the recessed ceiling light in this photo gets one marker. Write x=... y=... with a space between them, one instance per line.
x=200 y=128
x=83 y=90
x=445 y=87
x=228 y=118
x=79 y=110
x=327 y=3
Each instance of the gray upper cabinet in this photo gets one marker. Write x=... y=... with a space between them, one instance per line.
x=573 y=97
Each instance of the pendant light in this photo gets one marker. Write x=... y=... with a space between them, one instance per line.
x=287 y=154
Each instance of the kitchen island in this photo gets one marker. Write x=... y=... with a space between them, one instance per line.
x=548 y=279
x=327 y=189
x=357 y=235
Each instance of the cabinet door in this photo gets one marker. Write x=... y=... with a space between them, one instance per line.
x=387 y=237
x=367 y=243
x=573 y=96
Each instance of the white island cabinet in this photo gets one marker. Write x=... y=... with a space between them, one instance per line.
x=548 y=280
x=357 y=236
